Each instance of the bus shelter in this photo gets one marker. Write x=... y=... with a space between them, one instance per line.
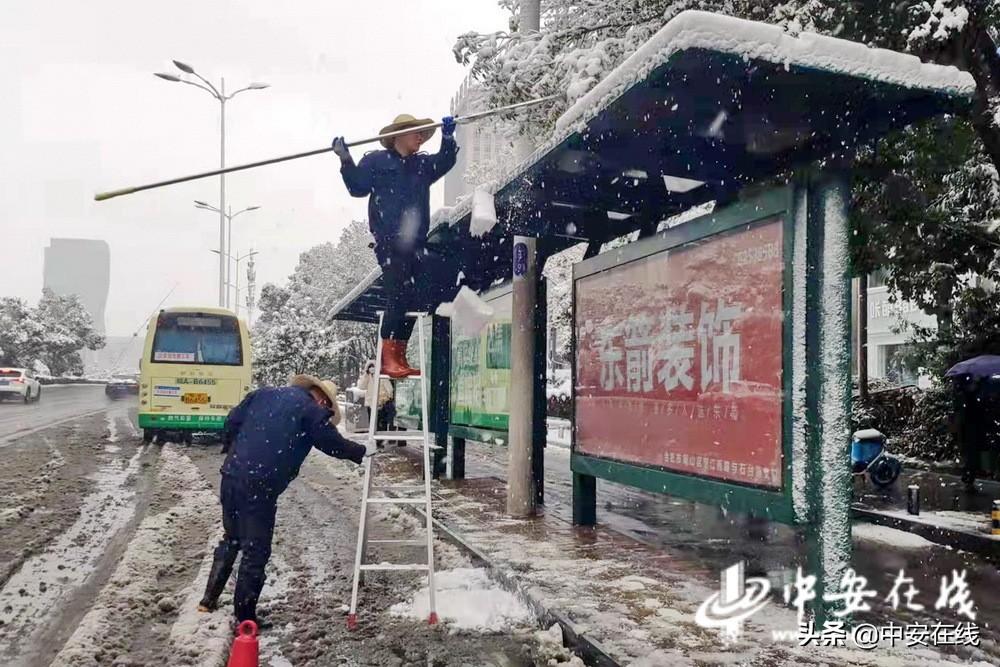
x=711 y=356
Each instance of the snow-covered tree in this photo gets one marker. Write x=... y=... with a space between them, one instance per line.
x=294 y=332
x=20 y=333
x=53 y=333
x=69 y=328
x=582 y=40
x=930 y=239
x=926 y=208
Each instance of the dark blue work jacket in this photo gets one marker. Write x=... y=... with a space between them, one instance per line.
x=269 y=434
x=399 y=208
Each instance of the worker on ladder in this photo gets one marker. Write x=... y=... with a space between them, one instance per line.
x=397 y=181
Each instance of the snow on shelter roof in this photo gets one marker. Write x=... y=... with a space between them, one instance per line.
x=711 y=102
x=762 y=41
x=811 y=61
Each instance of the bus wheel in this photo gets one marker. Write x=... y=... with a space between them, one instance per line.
x=147 y=435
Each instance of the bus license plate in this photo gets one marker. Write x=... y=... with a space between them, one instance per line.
x=195 y=398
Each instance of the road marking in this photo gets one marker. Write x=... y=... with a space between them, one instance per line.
x=17 y=435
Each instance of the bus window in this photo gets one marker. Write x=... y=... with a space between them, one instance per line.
x=197 y=339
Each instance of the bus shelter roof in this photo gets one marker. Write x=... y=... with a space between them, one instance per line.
x=708 y=106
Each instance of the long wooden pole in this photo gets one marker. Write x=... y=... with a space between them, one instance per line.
x=102 y=196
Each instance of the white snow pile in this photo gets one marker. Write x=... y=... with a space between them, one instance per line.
x=551 y=650
x=941 y=23
x=484 y=213
x=762 y=41
x=469 y=313
x=468 y=600
x=889 y=536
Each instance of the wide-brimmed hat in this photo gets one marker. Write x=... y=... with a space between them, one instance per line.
x=403 y=121
x=326 y=386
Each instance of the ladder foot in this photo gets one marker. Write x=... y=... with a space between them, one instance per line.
x=433 y=620
x=352 y=621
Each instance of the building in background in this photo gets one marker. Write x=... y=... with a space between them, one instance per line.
x=483 y=150
x=890 y=332
x=81 y=267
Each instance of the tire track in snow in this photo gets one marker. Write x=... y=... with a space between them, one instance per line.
x=47 y=580
x=145 y=613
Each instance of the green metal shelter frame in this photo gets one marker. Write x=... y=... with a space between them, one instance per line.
x=732 y=105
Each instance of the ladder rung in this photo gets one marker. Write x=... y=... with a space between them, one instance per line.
x=398 y=501
x=398 y=487
x=395 y=566
x=420 y=543
x=399 y=435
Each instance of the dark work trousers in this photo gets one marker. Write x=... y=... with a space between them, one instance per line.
x=386 y=417
x=248 y=511
x=408 y=285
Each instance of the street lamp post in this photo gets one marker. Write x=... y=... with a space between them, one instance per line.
x=220 y=95
x=228 y=217
x=236 y=261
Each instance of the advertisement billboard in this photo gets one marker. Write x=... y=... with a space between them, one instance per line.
x=679 y=358
x=480 y=369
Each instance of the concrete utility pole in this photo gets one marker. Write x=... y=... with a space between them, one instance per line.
x=521 y=496
x=530 y=21
x=520 y=483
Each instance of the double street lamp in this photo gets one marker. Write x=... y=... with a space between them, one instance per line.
x=227 y=248
x=220 y=95
x=236 y=261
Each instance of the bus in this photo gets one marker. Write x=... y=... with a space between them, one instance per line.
x=195 y=368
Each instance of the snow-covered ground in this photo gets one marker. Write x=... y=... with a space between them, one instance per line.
x=106 y=543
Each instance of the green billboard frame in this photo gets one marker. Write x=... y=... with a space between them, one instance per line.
x=775 y=505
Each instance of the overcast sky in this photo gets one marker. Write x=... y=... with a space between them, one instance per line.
x=82 y=113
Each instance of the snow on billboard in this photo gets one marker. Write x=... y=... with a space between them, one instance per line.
x=679 y=358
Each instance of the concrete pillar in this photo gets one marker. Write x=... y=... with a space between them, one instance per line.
x=828 y=385
x=521 y=499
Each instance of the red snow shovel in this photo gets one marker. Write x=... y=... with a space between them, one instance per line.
x=246 y=652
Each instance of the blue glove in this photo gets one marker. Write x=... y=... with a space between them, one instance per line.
x=448 y=126
x=340 y=149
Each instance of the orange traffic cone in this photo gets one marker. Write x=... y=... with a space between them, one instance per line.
x=246 y=652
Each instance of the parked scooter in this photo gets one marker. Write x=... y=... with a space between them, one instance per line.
x=868 y=455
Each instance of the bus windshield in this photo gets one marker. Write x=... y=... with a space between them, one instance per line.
x=194 y=338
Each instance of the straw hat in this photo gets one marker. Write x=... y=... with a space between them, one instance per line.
x=326 y=386
x=403 y=121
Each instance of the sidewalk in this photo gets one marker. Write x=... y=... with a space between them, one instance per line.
x=948 y=514
x=628 y=601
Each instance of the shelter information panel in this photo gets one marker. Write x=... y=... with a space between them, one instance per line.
x=480 y=370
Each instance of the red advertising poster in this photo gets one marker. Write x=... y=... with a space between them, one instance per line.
x=678 y=360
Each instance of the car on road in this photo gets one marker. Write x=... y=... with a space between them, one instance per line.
x=19 y=383
x=120 y=386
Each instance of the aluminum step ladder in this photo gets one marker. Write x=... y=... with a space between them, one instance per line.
x=367 y=498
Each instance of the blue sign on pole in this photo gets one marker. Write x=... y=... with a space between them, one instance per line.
x=520 y=259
